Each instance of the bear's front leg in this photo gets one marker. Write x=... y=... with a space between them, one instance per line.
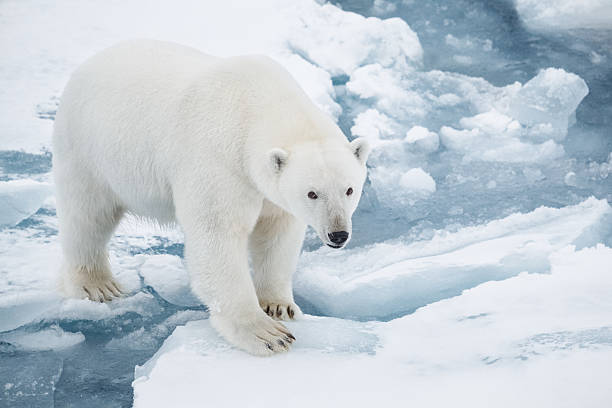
x=275 y=245
x=217 y=260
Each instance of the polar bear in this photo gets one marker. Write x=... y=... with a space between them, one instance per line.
x=231 y=149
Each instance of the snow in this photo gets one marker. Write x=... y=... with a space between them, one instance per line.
x=545 y=334
x=480 y=257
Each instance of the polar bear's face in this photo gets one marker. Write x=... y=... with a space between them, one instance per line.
x=321 y=185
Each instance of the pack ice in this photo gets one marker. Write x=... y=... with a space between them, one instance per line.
x=480 y=268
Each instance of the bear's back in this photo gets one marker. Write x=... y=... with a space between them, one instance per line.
x=146 y=110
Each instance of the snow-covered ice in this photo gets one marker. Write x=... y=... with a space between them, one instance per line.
x=390 y=279
x=480 y=258
x=548 y=335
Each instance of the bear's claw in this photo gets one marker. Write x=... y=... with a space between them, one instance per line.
x=281 y=311
x=261 y=336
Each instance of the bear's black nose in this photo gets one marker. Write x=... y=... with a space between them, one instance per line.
x=338 y=237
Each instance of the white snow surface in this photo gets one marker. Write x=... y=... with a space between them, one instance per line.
x=547 y=335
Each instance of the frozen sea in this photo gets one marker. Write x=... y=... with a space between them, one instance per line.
x=480 y=270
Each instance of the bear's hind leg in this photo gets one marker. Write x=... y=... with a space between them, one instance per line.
x=275 y=246
x=88 y=215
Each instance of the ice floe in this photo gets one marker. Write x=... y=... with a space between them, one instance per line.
x=21 y=198
x=389 y=279
x=549 y=335
x=53 y=338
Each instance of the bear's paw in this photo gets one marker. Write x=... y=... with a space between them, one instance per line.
x=99 y=287
x=260 y=335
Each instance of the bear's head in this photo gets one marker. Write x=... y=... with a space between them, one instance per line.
x=320 y=183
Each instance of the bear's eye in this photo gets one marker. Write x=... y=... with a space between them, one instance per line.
x=312 y=195
x=349 y=191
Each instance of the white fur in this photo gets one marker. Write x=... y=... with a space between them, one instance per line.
x=227 y=147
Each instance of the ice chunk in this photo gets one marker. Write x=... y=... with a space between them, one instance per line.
x=492 y=136
x=551 y=97
x=167 y=275
x=52 y=338
x=418 y=181
x=423 y=139
x=529 y=332
x=83 y=309
x=27 y=282
x=525 y=124
x=356 y=41
x=21 y=198
x=397 y=188
x=17 y=310
x=515 y=123
x=391 y=93
x=566 y=14
x=374 y=126
x=392 y=278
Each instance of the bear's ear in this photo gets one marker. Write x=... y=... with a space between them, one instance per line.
x=277 y=159
x=361 y=149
